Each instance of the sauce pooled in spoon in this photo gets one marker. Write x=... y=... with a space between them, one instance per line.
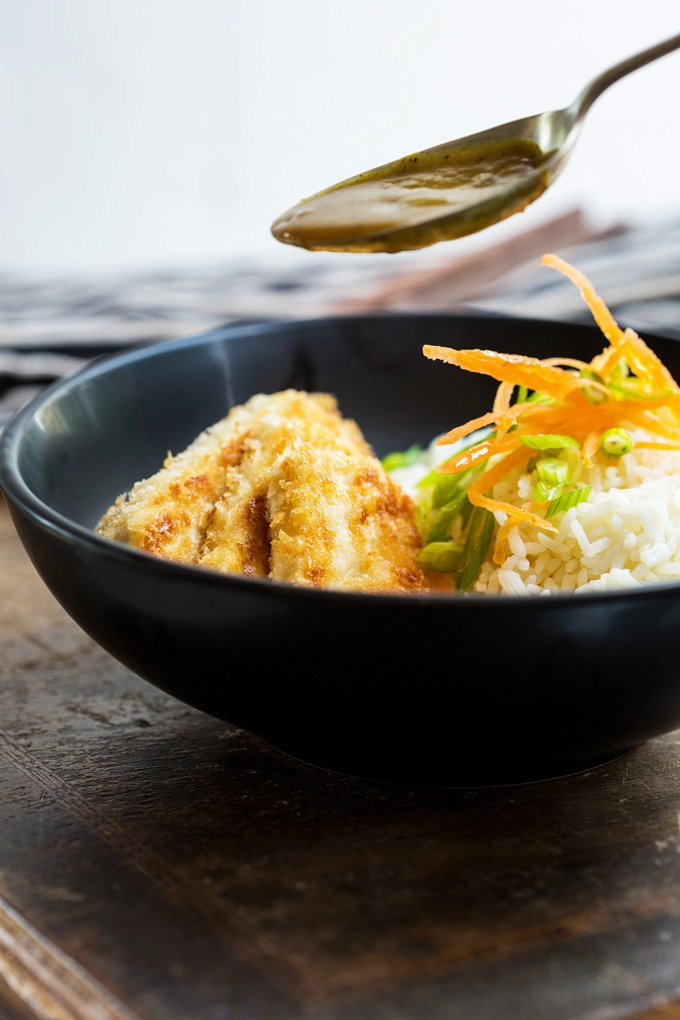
x=436 y=195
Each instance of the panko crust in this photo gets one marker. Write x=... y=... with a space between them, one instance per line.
x=341 y=522
x=284 y=487
x=166 y=514
x=236 y=539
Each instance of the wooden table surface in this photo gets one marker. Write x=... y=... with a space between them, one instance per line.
x=157 y=863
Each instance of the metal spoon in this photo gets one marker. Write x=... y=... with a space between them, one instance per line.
x=453 y=189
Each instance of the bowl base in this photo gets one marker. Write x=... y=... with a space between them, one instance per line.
x=445 y=774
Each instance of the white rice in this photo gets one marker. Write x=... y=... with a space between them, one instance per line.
x=625 y=535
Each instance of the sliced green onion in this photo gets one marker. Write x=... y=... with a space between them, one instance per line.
x=548 y=442
x=567 y=500
x=639 y=389
x=439 y=482
x=553 y=471
x=439 y=524
x=615 y=442
x=544 y=492
x=541 y=398
x=399 y=460
x=522 y=395
x=593 y=394
x=621 y=372
x=477 y=542
x=445 y=502
x=447 y=489
x=466 y=513
x=589 y=373
x=631 y=387
x=571 y=455
x=443 y=557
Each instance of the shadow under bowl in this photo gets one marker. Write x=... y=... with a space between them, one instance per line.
x=421 y=689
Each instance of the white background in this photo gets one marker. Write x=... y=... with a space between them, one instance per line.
x=140 y=132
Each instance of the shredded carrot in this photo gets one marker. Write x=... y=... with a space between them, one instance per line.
x=603 y=317
x=652 y=423
x=515 y=368
x=484 y=450
x=592 y=384
x=503 y=395
x=500 y=549
x=527 y=410
x=644 y=361
x=464 y=430
x=605 y=363
x=569 y=362
x=578 y=424
x=476 y=492
x=656 y=446
x=591 y=445
x=641 y=359
x=584 y=403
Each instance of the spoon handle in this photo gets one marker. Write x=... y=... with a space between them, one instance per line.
x=597 y=86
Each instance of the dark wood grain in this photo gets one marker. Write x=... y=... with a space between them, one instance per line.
x=166 y=866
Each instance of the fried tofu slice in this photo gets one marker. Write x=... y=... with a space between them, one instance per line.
x=284 y=487
x=339 y=521
x=169 y=513
x=237 y=535
x=166 y=513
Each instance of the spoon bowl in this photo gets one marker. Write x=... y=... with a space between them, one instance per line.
x=453 y=189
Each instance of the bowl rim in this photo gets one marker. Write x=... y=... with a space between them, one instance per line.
x=19 y=493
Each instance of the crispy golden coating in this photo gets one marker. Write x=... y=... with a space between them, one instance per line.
x=339 y=521
x=283 y=487
x=236 y=539
x=167 y=513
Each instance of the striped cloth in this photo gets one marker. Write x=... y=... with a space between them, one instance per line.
x=51 y=327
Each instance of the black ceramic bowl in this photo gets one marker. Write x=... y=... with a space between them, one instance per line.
x=412 y=688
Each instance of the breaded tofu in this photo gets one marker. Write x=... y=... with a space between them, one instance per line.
x=339 y=521
x=168 y=513
x=284 y=487
x=237 y=534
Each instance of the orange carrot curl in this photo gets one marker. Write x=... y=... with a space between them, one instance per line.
x=626 y=384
